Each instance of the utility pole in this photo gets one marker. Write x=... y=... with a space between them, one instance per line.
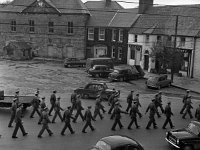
x=174 y=49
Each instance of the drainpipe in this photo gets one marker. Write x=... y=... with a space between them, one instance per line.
x=193 y=57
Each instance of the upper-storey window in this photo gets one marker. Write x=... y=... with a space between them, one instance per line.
x=51 y=27
x=70 y=27
x=114 y=35
x=31 y=26
x=90 y=33
x=136 y=38
x=147 y=39
x=121 y=35
x=13 y=25
x=182 y=43
x=101 y=34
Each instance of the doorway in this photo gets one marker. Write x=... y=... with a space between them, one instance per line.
x=146 y=62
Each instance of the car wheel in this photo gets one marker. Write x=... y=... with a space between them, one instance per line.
x=188 y=147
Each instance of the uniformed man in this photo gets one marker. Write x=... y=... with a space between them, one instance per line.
x=42 y=106
x=79 y=109
x=35 y=104
x=153 y=110
x=112 y=96
x=67 y=116
x=73 y=101
x=17 y=97
x=136 y=99
x=19 y=123
x=97 y=108
x=88 y=118
x=185 y=97
x=115 y=100
x=129 y=100
x=133 y=113
x=158 y=101
x=188 y=108
x=197 y=113
x=117 y=114
x=13 y=112
x=52 y=101
x=45 y=122
x=57 y=109
x=168 y=114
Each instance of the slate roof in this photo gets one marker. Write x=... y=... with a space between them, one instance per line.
x=63 y=6
x=161 y=20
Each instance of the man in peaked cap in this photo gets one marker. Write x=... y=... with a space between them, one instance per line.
x=57 y=109
x=42 y=106
x=52 y=101
x=88 y=117
x=129 y=100
x=79 y=109
x=168 y=114
x=185 y=97
x=188 y=108
x=13 y=112
x=35 y=104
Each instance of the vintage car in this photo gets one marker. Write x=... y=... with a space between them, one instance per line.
x=93 y=89
x=100 y=71
x=186 y=138
x=117 y=142
x=71 y=62
x=124 y=73
x=158 y=82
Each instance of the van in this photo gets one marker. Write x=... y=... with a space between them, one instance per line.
x=99 y=61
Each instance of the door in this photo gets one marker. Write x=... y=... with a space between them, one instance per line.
x=146 y=62
x=68 y=52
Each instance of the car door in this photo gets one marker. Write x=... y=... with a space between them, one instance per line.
x=161 y=81
x=90 y=90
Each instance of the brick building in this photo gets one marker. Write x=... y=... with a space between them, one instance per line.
x=56 y=28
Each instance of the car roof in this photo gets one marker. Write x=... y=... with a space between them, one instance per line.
x=118 y=140
x=97 y=83
x=101 y=65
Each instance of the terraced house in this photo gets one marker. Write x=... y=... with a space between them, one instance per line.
x=54 y=28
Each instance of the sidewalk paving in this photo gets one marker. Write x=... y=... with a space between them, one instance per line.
x=191 y=84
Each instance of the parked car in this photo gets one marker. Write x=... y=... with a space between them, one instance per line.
x=158 y=81
x=91 y=90
x=124 y=73
x=186 y=138
x=70 y=62
x=117 y=142
x=100 y=71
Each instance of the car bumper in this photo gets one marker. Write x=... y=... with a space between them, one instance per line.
x=170 y=142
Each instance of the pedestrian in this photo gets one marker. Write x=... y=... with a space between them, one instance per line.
x=88 y=118
x=67 y=116
x=157 y=104
x=101 y=105
x=42 y=106
x=112 y=96
x=52 y=101
x=197 y=113
x=57 y=109
x=73 y=101
x=152 y=112
x=133 y=113
x=168 y=114
x=159 y=101
x=129 y=100
x=45 y=122
x=188 y=108
x=117 y=114
x=97 y=108
x=17 y=97
x=115 y=100
x=185 y=97
x=35 y=104
x=13 y=112
x=19 y=122
x=79 y=109
x=136 y=99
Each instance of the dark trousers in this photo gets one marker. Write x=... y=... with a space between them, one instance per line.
x=133 y=120
x=88 y=123
x=40 y=119
x=12 y=117
x=55 y=115
x=182 y=110
x=151 y=120
x=188 y=111
x=97 y=112
x=161 y=108
x=117 y=121
x=110 y=110
x=73 y=107
x=51 y=109
x=35 y=109
x=17 y=126
x=67 y=125
x=79 y=112
x=44 y=127
x=128 y=107
x=168 y=120
x=102 y=108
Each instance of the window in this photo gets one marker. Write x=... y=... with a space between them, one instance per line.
x=13 y=25
x=114 y=35
x=101 y=34
x=121 y=35
x=113 y=52
x=158 y=38
x=120 y=53
x=51 y=27
x=90 y=33
x=182 y=43
x=31 y=26
x=136 y=38
x=169 y=38
x=70 y=28
x=147 y=38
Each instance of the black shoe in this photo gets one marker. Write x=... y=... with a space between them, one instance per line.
x=155 y=127
x=138 y=127
x=31 y=117
x=50 y=134
x=74 y=121
x=84 y=132
x=172 y=127
x=147 y=128
x=163 y=128
x=53 y=122
x=39 y=136
x=25 y=134
x=121 y=127
x=39 y=122
x=73 y=132
x=14 y=137
x=10 y=126
x=50 y=115
x=113 y=129
x=93 y=129
x=129 y=128
x=183 y=117
x=62 y=134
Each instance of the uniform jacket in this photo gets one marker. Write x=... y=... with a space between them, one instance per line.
x=67 y=116
x=35 y=102
x=129 y=98
x=152 y=109
x=57 y=106
x=168 y=111
x=14 y=107
x=136 y=99
x=185 y=98
x=73 y=97
x=88 y=116
x=18 y=116
x=53 y=98
x=134 y=111
x=45 y=118
x=42 y=105
x=117 y=112
x=79 y=105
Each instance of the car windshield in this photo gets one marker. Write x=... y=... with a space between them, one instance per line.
x=103 y=145
x=153 y=78
x=194 y=129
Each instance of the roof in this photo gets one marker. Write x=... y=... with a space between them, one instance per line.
x=161 y=20
x=117 y=140
x=63 y=6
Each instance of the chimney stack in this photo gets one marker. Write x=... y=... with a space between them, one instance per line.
x=108 y=2
x=144 y=5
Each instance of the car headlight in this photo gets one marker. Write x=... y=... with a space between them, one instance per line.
x=177 y=141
